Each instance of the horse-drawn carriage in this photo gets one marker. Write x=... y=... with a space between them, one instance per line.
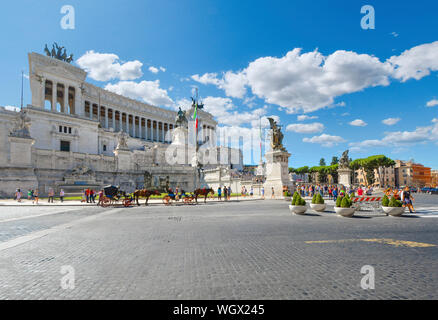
x=112 y=195
x=188 y=198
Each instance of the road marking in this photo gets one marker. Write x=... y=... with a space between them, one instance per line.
x=42 y=233
x=397 y=243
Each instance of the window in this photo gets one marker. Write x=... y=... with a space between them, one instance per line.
x=69 y=130
x=60 y=129
x=65 y=129
x=104 y=147
x=65 y=146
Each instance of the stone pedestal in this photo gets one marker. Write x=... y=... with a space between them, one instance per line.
x=344 y=176
x=277 y=173
x=124 y=161
x=20 y=151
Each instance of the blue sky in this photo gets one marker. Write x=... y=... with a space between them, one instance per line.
x=244 y=58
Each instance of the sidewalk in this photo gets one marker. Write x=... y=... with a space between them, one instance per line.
x=77 y=203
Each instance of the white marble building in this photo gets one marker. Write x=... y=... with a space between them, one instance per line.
x=74 y=127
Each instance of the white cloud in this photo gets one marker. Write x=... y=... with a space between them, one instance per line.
x=391 y=121
x=12 y=108
x=310 y=81
x=207 y=78
x=401 y=138
x=432 y=103
x=153 y=69
x=226 y=112
x=305 y=117
x=416 y=63
x=394 y=34
x=148 y=91
x=106 y=66
x=305 y=128
x=234 y=84
x=325 y=140
x=358 y=123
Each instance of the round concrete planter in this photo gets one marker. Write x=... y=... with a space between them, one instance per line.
x=318 y=207
x=395 y=212
x=345 y=212
x=300 y=210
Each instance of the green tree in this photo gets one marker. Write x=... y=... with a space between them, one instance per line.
x=322 y=162
x=335 y=160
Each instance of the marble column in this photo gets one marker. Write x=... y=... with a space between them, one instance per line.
x=43 y=94
x=54 y=95
x=113 y=113
x=106 y=118
x=65 y=99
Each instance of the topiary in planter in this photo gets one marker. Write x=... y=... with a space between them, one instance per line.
x=317 y=199
x=346 y=203
x=338 y=202
x=294 y=199
x=298 y=201
x=394 y=203
x=385 y=201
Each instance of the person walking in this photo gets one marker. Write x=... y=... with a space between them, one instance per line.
x=61 y=195
x=225 y=193
x=100 y=202
x=92 y=196
x=219 y=194
x=84 y=196
x=18 y=195
x=272 y=193
x=407 y=199
x=29 y=194
x=36 y=195
x=229 y=193
x=87 y=195
x=51 y=195
x=263 y=193
x=335 y=194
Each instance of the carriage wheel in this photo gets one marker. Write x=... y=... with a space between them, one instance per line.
x=106 y=202
x=126 y=203
x=166 y=200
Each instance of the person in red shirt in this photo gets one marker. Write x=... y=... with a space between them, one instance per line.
x=360 y=191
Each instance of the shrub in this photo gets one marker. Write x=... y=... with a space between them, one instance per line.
x=286 y=194
x=338 y=202
x=297 y=200
x=346 y=203
x=385 y=201
x=317 y=199
x=394 y=203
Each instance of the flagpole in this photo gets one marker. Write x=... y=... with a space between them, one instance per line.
x=22 y=76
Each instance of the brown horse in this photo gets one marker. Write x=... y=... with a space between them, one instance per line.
x=202 y=192
x=144 y=193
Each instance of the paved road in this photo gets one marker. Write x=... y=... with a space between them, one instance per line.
x=238 y=250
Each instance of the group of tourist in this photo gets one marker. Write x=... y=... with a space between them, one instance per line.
x=245 y=193
x=226 y=192
x=332 y=191
x=89 y=195
x=33 y=195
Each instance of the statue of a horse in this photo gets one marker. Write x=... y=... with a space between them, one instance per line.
x=144 y=193
x=203 y=192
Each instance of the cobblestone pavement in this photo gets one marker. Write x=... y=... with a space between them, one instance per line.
x=236 y=250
